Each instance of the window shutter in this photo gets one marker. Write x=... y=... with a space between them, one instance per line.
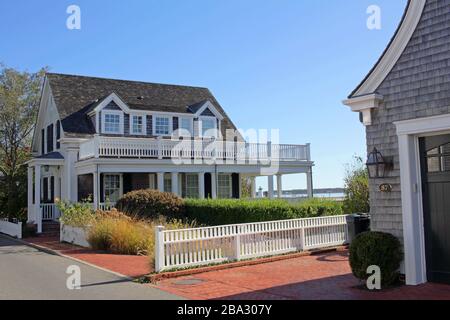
x=42 y=141
x=175 y=124
x=58 y=134
x=50 y=138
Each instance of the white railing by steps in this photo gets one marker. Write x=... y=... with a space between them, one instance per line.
x=202 y=246
x=13 y=229
x=119 y=147
x=106 y=206
x=49 y=211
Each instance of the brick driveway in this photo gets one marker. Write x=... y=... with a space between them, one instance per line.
x=324 y=276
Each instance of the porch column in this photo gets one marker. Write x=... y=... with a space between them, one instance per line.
x=175 y=183
x=160 y=178
x=201 y=185
x=37 y=197
x=309 y=183
x=279 y=186
x=253 y=187
x=96 y=190
x=270 y=184
x=213 y=185
x=30 y=195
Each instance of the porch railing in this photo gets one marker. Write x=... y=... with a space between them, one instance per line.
x=110 y=147
x=202 y=246
x=49 y=211
x=106 y=206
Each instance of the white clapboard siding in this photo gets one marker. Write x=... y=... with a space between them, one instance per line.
x=201 y=246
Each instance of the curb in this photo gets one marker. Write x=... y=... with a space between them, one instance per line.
x=57 y=253
x=154 y=278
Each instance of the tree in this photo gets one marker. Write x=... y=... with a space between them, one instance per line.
x=19 y=104
x=356 y=188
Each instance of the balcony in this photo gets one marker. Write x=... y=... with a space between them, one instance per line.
x=215 y=150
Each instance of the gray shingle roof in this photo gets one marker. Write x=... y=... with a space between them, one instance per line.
x=51 y=155
x=75 y=96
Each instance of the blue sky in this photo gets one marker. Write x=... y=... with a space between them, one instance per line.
x=272 y=64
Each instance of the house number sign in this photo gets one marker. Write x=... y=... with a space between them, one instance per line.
x=386 y=187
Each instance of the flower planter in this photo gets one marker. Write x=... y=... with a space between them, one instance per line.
x=74 y=235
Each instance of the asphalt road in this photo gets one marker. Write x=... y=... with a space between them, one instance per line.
x=29 y=274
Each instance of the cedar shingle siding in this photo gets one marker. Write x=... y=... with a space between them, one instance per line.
x=418 y=86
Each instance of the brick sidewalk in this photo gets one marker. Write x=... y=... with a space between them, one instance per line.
x=131 y=266
x=324 y=276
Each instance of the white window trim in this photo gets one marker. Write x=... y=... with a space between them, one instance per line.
x=113 y=112
x=120 y=183
x=230 y=193
x=200 y=125
x=144 y=125
x=170 y=125
x=191 y=126
x=408 y=133
x=198 y=183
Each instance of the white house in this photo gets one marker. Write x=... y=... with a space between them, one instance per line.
x=404 y=102
x=100 y=138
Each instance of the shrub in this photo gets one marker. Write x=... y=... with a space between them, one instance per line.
x=76 y=214
x=357 y=188
x=151 y=204
x=117 y=233
x=376 y=249
x=226 y=211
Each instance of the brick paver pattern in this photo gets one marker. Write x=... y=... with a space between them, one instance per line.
x=324 y=276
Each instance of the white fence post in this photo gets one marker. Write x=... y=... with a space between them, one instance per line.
x=218 y=244
x=237 y=244
x=159 y=248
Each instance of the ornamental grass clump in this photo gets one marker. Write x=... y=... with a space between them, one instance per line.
x=115 y=232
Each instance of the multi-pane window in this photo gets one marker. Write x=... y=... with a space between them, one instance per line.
x=167 y=182
x=112 y=123
x=111 y=187
x=224 y=186
x=137 y=124
x=186 y=126
x=192 y=186
x=162 y=126
x=438 y=159
x=209 y=127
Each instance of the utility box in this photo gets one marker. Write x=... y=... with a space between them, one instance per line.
x=357 y=223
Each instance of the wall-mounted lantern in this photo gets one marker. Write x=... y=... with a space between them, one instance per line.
x=377 y=165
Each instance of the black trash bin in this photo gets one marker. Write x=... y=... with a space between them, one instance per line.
x=357 y=223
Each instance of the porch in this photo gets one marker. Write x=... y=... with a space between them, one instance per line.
x=101 y=170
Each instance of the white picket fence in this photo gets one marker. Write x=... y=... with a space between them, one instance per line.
x=202 y=246
x=10 y=228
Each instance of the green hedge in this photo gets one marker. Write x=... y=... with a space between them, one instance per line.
x=222 y=212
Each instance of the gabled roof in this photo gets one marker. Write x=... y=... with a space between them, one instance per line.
x=393 y=51
x=75 y=96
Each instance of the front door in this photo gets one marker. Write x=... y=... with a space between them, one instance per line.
x=435 y=164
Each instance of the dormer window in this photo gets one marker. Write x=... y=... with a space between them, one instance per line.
x=209 y=127
x=138 y=125
x=162 y=126
x=112 y=122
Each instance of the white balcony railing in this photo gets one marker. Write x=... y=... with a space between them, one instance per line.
x=109 y=147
